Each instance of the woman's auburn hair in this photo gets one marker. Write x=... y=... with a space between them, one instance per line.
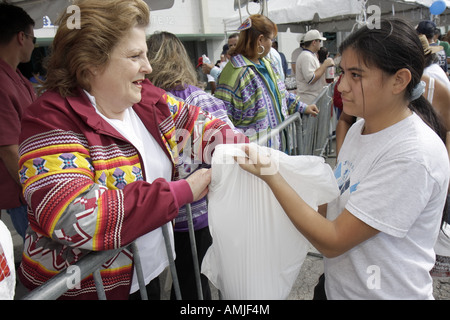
x=248 y=39
x=103 y=23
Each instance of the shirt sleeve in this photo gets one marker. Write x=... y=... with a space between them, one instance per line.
x=9 y=121
x=215 y=73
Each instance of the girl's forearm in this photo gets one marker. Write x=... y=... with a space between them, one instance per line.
x=314 y=226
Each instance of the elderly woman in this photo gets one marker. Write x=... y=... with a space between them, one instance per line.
x=250 y=84
x=99 y=152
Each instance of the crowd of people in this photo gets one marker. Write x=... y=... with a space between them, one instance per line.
x=120 y=138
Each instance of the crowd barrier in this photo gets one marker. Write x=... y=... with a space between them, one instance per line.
x=318 y=131
x=305 y=135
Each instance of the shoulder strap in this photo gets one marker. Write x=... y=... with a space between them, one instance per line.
x=430 y=90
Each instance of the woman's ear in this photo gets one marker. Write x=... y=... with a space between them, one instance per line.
x=260 y=39
x=401 y=80
x=92 y=72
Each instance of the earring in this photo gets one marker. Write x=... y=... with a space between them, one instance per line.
x=263 y=49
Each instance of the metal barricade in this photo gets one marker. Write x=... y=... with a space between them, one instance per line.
x=317 y=131
x=291 y=129
x=92 y=263
x=305 y=135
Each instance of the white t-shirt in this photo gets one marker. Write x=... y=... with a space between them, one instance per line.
x=295 y=54
x=436 y=72
x=276 y=58
x=151 y=246
x=396 y=181
x=306 y=66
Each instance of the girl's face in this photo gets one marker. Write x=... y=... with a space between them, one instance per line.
x=364 y=89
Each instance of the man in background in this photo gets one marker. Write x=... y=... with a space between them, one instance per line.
x=309 y=73
x=214 y=71
x=428 y=28
x=16 y=93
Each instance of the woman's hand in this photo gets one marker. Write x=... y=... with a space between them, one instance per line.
x=257 y=162
x=312 y=110
x=199 y=181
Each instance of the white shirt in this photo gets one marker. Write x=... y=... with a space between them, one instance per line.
x=436 y=72
x=276 y=58
x=306 y=66
x=396 y=181
x=151 y=246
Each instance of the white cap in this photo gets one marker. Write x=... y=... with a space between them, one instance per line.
x=313 y=35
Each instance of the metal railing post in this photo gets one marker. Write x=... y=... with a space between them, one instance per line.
x=99 y=285
x=173 y=269
x=139 y=272
x=194 y=251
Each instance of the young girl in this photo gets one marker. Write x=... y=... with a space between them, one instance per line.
x=392 y=171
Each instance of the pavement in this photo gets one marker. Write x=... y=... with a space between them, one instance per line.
x=303 y=288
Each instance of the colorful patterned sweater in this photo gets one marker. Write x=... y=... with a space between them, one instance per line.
x=84 y=183
x=197 y=97
x=251 y=105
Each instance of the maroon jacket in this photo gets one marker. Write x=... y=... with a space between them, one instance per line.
x=85 y=183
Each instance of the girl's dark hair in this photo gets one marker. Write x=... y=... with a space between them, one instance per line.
x=394 y=46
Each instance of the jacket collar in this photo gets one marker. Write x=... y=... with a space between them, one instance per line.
x=81 y=105
x=239 y=61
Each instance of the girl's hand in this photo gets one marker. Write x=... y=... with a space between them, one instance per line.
x=257 y=162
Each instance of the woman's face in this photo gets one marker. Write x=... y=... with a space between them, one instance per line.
x=118 y=86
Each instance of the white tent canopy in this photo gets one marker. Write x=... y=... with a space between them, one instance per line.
x=336 y=15
x=37 y=9
x=45 y=13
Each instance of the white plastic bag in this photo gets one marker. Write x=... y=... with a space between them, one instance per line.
x=7 y=268
x=257 y=252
